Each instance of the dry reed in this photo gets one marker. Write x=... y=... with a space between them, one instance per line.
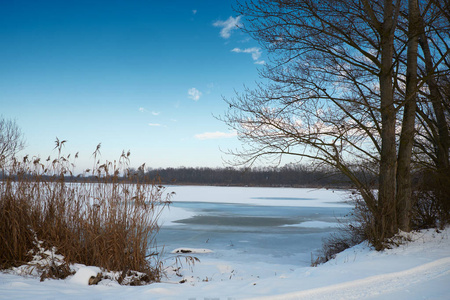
x=107 y=218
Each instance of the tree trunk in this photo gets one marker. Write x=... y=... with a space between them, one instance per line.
x=443 y=138
x=404 y=188
x=386 y=217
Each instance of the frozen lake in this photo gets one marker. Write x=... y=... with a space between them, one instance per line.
x=274 y=225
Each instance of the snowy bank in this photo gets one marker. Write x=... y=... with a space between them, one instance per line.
x=418 y=269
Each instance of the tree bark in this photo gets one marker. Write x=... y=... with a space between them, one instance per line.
x=404 y=188
x=440 y=136
x=386 y=217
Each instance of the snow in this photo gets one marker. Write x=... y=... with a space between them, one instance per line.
x=418 y=269
x=260 y=196
x=376 y=286
x=313 y=224
x=83 y=274
x=172 y=214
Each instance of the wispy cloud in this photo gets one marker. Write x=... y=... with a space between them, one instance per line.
x=210 y=87
x=215 y=135
x=194 y=94
x=228 y=26
x=255 y=52
x=144 y=110
x=194 y=11
x=154 y=124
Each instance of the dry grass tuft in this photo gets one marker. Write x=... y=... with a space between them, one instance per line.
x=106 y=219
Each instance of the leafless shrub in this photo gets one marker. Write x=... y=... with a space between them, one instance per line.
x=431 y=210
x=431 y=200
x=357 y=229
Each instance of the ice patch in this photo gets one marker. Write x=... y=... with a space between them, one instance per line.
x=313 y=224
x=171 y=214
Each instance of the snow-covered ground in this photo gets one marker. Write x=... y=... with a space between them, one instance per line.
x=418 y=269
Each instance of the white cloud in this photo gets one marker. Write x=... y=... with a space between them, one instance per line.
x=144 y=110
x=194 y=94
x=228 y=26
x=194 y=11
x=255 y=52
x=215 y=135
x=154 y=124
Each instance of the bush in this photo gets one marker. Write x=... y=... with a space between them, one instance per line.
x=357 y=229
x=107 y=220
x=431 y=210
x=432 y=200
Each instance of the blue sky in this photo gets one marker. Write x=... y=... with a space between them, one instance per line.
x=145 y=76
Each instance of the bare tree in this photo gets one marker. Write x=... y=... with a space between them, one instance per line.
x=432 y=142
x=11 y=139
x=342 y=91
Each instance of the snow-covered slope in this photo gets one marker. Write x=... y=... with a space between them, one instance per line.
x=418 y=269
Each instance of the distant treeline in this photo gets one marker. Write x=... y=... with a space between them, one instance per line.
x=296 y=176
x=286 y=176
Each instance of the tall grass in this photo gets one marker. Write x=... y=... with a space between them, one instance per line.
x=107 y=218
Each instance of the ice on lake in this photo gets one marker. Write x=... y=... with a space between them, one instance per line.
x=276 y=225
